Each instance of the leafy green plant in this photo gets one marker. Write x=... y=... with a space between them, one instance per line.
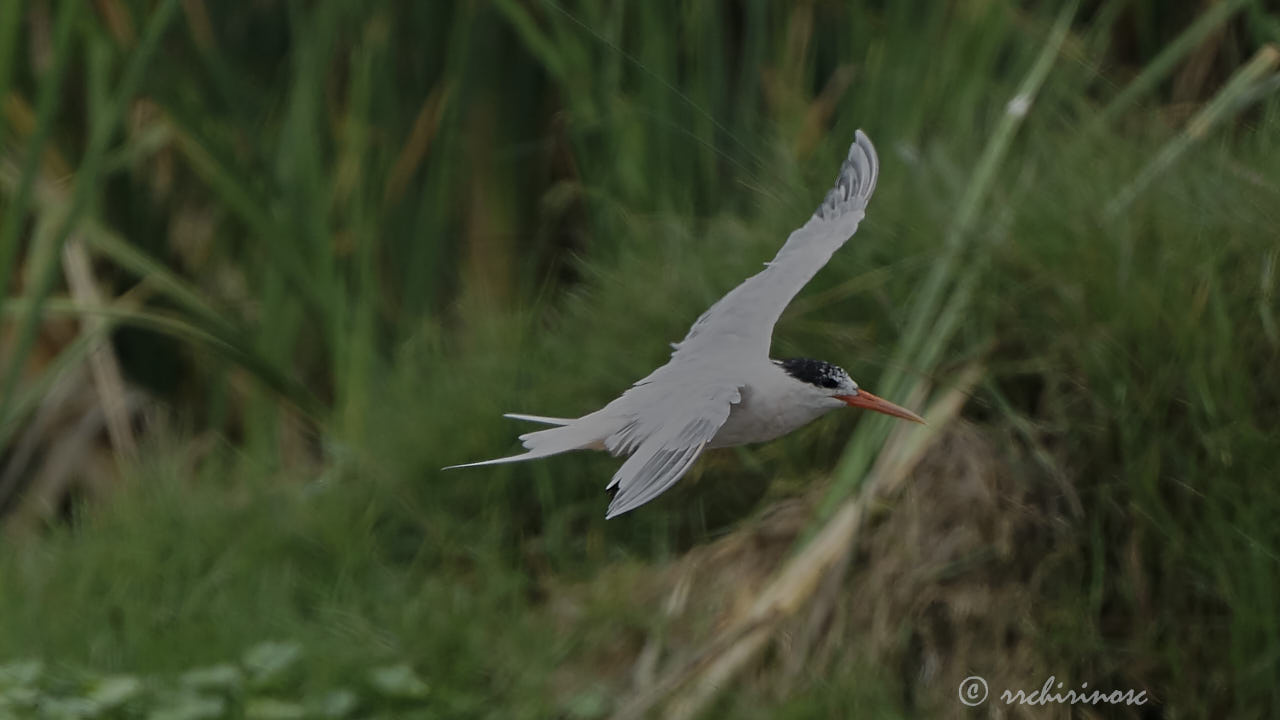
x=257 y=687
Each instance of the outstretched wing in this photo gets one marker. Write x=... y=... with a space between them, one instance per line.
x=671 y=416
x=743 y=320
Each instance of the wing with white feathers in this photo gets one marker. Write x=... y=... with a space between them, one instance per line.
x=743 y=320
x=669 y=424
x=666 y=420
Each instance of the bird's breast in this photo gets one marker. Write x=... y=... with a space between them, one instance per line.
x=764 y=415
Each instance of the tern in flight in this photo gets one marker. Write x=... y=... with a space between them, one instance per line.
x=720 y=388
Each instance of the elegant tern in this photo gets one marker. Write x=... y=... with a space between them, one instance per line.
x=720 y=388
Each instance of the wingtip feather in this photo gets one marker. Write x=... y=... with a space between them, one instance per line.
x=855 y=182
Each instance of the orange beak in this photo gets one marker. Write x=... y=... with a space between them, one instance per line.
x=867 y=401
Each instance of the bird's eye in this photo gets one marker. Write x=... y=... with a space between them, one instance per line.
x=830 y=382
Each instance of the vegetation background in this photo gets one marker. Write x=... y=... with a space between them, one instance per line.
x=268 y=266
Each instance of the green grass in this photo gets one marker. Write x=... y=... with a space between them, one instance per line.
x=336 y=241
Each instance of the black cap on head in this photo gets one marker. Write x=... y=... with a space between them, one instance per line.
x=815 y=372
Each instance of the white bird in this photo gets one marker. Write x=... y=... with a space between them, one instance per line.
x=720 y=388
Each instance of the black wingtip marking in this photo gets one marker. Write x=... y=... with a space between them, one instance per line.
x=855 y=182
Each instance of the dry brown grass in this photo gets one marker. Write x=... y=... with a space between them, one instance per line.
x=943 y=585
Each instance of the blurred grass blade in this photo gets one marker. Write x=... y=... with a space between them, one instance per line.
x=128 y=256
x=102 y=125
x=925 y=337
x=1224 y=104
x=1155 y=71
x=36 y=388
x=665 y=83
x=1266 y=299
x=354 y=342
x=239 y=199
x=154 y=274
x=9 y=21
x=108 y=381
x=15 y=212
x=179 y=328
x=537 y=41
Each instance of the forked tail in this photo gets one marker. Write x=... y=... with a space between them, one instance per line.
x=582 y=433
